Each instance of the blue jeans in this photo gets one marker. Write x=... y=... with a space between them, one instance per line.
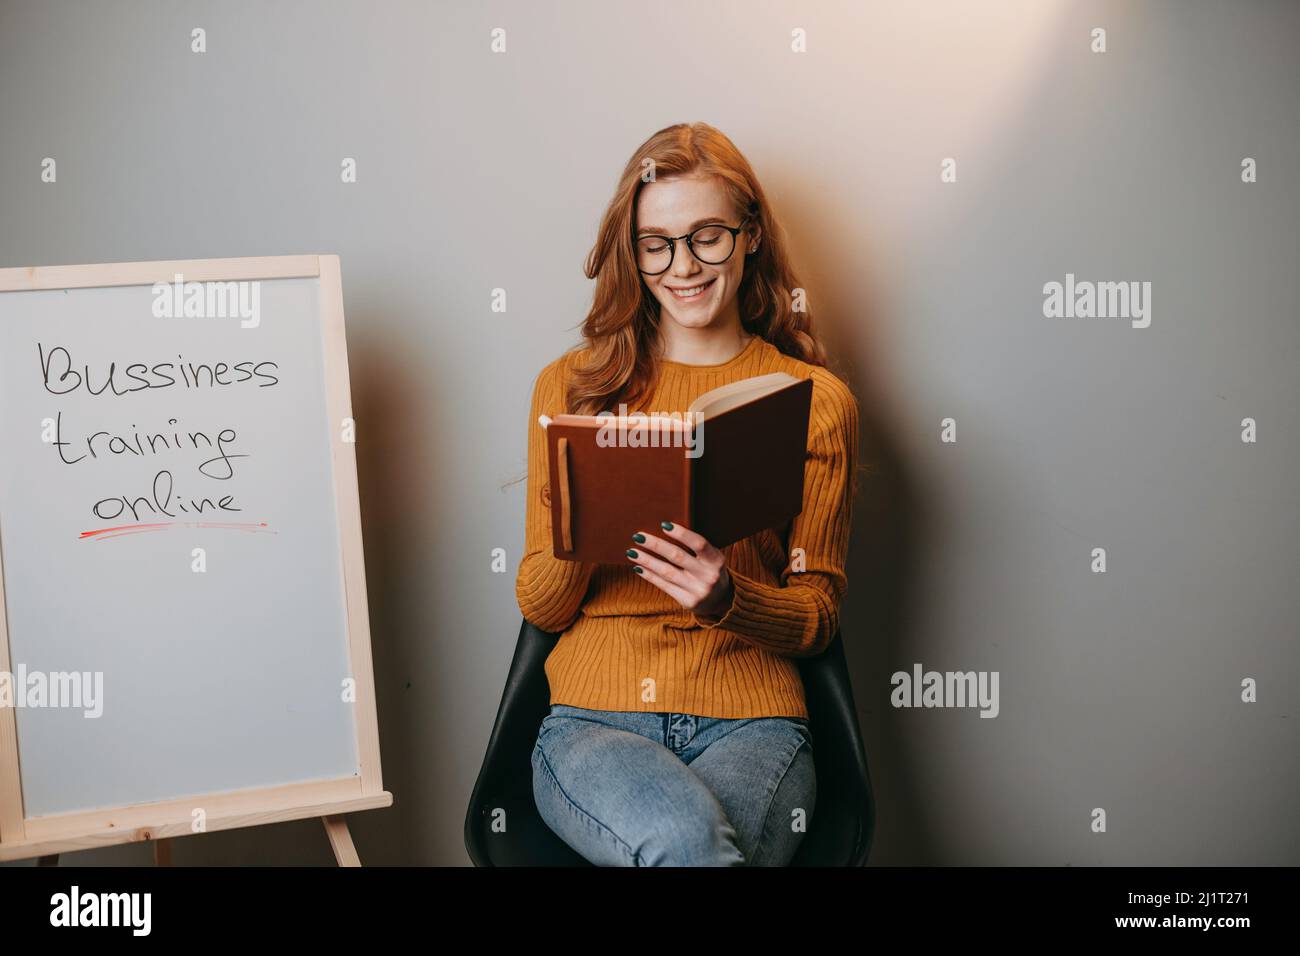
x=661 y=789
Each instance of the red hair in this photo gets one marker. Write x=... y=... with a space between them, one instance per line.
x=622 y=327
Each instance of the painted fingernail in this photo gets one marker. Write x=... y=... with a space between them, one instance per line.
x=667 y=525
x=639 y=538
x=631 y=553
x=637 y=569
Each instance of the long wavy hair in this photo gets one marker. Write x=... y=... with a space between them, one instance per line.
x=623 y=325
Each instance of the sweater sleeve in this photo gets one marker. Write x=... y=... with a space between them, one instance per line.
x=798 y=617
x=550 y=590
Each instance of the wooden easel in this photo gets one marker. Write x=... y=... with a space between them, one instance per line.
x=336 y=828
x=45 y=837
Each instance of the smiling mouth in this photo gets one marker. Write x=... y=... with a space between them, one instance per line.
x=687 y=293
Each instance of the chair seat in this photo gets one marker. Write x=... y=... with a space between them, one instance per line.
x=503 y=827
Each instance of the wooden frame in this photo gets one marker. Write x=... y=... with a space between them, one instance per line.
x=22 y=837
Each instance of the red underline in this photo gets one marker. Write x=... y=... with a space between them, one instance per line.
x=105 y=533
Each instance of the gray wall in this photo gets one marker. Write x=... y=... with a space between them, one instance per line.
x=1118 y=690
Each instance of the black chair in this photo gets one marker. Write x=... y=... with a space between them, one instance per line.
x=843 y=820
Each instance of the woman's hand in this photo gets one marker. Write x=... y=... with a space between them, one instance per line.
x=687 y=568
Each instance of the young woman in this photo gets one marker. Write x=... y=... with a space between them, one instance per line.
x=678 y=731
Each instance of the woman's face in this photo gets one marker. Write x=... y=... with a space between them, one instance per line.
x=674 y=206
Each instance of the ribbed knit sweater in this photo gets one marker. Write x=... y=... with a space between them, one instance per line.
x=625 y=645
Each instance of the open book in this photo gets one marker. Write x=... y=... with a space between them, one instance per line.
x=728 y=467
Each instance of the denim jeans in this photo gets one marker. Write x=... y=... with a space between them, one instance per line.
x=663 y=789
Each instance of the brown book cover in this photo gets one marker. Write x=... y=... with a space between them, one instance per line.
x=729 y=467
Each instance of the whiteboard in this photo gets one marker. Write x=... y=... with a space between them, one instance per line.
x=221 y=676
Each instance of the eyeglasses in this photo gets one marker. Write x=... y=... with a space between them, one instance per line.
x=712 y=244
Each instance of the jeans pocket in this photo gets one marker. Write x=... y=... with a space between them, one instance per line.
x=548 y=721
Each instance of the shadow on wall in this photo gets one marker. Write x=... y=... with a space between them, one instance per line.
x=384 y=394
x=881 y=605
x=883 y=564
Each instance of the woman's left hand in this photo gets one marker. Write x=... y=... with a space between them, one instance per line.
x=686 y=567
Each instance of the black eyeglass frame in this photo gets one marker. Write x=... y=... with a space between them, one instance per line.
x=673 y=240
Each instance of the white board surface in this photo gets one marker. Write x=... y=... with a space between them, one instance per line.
x=224 y=680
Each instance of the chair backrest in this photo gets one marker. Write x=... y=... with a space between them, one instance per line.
x=844 y=819
x=503 y=827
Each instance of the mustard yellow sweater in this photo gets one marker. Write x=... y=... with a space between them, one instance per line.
x=627 y=646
